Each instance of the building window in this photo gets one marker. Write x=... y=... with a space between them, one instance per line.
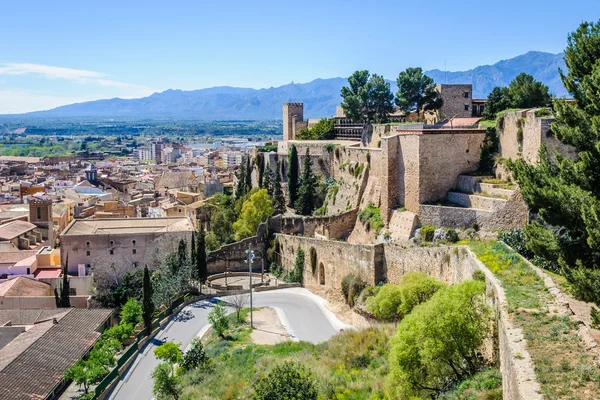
x=112 y=242
x=133 y=251
x=87 y=253
x=39 y=213
x=112 y=251
x=466 y=95
x=466 y=107
x=87 y=244
x=133 y=243
x=72 y=291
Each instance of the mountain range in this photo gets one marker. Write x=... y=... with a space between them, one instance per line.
x=320 y=96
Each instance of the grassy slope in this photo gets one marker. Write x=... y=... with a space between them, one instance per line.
x=563 y=367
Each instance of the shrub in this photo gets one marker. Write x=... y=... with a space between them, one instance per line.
x=352 y=286
x=131 y=313
x=372 y=215
x=329 y=147
x=218 y=319
x=386 y=303
x=451 y=235
x=416 y=288
x=288 y=381
x=427 y=233
x=195 y=357
x=368 y=157
x=439 y=342
x=366 y=293
x=479 y=276
x=542 y=112
x=119 y=332
x=516 y=239
x=475 y=226
x=297 y=274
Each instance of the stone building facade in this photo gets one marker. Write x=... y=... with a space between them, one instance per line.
x=458 y=100
x=293 y=120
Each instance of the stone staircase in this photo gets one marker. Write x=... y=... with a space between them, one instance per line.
x=471 y=192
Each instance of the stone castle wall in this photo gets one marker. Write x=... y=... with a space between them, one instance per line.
x=536 y=132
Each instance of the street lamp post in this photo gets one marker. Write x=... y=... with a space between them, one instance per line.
x=250 y=254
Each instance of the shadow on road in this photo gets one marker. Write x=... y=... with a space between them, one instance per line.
x=183 y=316
x=203 y=304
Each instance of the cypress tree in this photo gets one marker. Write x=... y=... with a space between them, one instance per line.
x=278 y=197
x=268 y=181
x=65 y=300
x=201 y=261
x=260 y=166
x=240 y=189
x=182 y=253
x=193 y=249
x=293 y=175
x=248 y=175
x=305 y=204
x=147 y=304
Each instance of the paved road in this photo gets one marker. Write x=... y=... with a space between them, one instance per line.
x=301 y=312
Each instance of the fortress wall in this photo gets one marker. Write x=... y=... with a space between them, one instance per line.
x=443 y=158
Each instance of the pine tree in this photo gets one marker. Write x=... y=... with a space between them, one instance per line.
x=305 y=204
x=278 y=197
x=565 y=193
x=293 y=175
x=147 y=304
x=65 y=300
x=201 y=261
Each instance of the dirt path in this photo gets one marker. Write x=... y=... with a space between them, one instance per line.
x=268 y=328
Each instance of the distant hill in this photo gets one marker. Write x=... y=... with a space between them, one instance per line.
x=320 y=97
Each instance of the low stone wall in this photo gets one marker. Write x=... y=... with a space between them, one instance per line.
x=513 y=215
x=331 y=227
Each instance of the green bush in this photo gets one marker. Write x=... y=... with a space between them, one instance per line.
x=385 y=305
x=416 y=288
x=542 y=112
x=195 y=357
x=218 y=319
x=479 y=276
x=352 y=286
x=427 y=233
x=439 y=342
x=516 y=239
x=287 y=381
x=119 y=332
x=366 y=293
x=371 y=217
x=452 y=236
x=131 y=313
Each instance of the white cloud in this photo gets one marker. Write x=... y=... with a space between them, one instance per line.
x=16 y=101
x=77 y=75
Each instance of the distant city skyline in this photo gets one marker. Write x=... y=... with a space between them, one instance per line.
x=69 y=51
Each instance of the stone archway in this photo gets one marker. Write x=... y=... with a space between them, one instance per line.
x=321 y=274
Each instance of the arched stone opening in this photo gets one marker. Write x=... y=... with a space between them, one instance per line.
x=321 y=274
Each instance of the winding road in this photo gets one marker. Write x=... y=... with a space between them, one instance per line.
x=301 y=312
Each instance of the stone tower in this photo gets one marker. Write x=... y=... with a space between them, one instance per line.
x=40 y=214
x=91 y=173
x=292 y=113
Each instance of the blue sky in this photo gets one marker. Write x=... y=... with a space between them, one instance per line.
x=59 y=52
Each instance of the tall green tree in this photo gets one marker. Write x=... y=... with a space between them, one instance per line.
x=306 y=202
x=565 y=193
x=240 y=188
x=526 y=92
x=201 y=262
x=268 y=181
x=248 y=174
x=255 y=211
x=260 y=166
x=498 y=100
x=65 y=298
x=381 y=98
x=292 y=175
x=278 y=196
x=417 y=92
x=355 y=96
x=182 y=256
x=193 y=249
x=147 y=304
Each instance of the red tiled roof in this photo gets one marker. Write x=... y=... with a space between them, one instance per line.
x=24 y=286
x=35 y=372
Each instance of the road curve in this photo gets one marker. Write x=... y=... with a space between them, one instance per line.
x=304 y=315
